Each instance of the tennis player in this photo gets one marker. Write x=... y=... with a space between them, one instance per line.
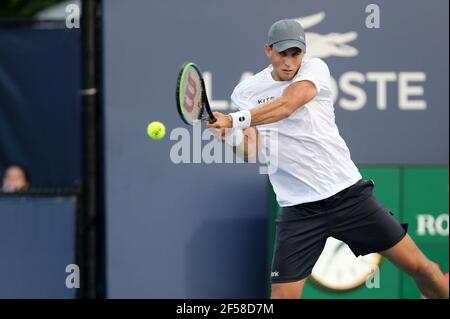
x=320 y=189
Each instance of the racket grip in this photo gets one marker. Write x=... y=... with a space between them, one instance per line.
x=212 y=120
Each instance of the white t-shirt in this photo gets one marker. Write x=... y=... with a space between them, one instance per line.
x=312 y=160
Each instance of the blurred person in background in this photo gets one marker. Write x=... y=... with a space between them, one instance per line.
x=16 y=179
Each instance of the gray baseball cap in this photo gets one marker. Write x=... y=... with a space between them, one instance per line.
x=287 y=33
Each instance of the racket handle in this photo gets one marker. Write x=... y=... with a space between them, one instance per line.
x=212 y=120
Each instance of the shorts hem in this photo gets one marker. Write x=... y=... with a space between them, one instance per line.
x=386 y=247
x=395 y=242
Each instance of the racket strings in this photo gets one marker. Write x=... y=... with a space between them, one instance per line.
x=192 y=101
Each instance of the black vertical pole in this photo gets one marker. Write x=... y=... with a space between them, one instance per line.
x=89 y=222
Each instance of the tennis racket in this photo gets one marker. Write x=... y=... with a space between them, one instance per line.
x=191 y=95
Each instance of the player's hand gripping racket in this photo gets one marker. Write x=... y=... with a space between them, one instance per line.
x=191 y=95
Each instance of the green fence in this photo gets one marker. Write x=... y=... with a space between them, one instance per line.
x=416 y=195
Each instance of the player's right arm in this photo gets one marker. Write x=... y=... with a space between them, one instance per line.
x=248 y=148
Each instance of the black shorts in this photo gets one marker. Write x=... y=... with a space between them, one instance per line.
x=354 y=216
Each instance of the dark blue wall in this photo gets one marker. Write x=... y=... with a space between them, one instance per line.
x=37 y=242
x=39 y=104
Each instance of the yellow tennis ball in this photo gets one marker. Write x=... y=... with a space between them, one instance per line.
x=156 y=130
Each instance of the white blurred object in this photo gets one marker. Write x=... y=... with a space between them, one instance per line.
x=56 y=12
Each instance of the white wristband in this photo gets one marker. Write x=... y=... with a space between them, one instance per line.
x=235 y=138
x=241 y=119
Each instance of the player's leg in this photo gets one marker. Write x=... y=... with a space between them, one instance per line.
x=288 y=290
x=367 y=227
x=426 y=274
x=301 y=233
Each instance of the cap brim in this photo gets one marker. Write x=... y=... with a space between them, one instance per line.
x=287 y=44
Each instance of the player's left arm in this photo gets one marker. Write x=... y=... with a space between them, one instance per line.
x=295 y=96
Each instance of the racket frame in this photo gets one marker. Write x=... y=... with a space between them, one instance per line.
x=204 y=97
